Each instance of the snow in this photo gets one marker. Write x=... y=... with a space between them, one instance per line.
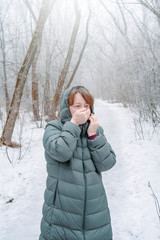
x=132 y=206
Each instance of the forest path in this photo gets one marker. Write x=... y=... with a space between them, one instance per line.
x=131 y=205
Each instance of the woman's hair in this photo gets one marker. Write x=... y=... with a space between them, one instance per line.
x=85 y=94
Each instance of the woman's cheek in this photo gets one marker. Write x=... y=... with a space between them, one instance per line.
x=71 y=110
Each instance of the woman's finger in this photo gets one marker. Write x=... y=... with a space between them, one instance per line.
x=91 y=118
x=93 y=115
x=95 y=118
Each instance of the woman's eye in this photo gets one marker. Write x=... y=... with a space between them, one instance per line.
x=78 y=106
x=86 y=105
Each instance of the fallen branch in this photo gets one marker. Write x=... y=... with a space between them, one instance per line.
x=155 y=200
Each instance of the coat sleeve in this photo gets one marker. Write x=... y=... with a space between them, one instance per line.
x=60 y=141
x=101 y=151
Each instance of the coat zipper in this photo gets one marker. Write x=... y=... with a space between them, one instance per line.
x=84 y=198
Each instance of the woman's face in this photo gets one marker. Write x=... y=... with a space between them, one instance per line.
x=79 y=103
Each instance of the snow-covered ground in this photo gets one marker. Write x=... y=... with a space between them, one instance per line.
x=131 y=203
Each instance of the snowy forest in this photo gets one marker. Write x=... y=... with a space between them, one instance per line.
x=112 y=47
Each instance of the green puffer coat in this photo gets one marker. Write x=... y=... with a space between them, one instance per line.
x=75 y=204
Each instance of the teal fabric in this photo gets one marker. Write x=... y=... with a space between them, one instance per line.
x=75 y=203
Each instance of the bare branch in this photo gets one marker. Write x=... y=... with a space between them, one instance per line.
x=30 y=9
x=149 y=7
x=82 y=51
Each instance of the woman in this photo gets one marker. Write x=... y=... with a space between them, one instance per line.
x=76 y=152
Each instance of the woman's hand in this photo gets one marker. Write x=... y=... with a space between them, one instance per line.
x=80 y=116
x=93 y=125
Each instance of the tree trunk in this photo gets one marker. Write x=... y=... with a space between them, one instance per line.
x=81 y=53
x=22 y=75
x=7 y=100
x=47 y=97
x=61 y=80
x=35 y=96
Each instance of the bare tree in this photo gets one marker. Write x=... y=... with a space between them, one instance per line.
x=22 y=75
x=122 y=30
x=35 y=93
x=62 y=77
x=81 y=53
x=47 y=97
x=3 y=49
x=149 y=6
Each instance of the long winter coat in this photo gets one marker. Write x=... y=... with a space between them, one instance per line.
x=75 y=204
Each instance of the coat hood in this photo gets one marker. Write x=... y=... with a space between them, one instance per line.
x=65 y=114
